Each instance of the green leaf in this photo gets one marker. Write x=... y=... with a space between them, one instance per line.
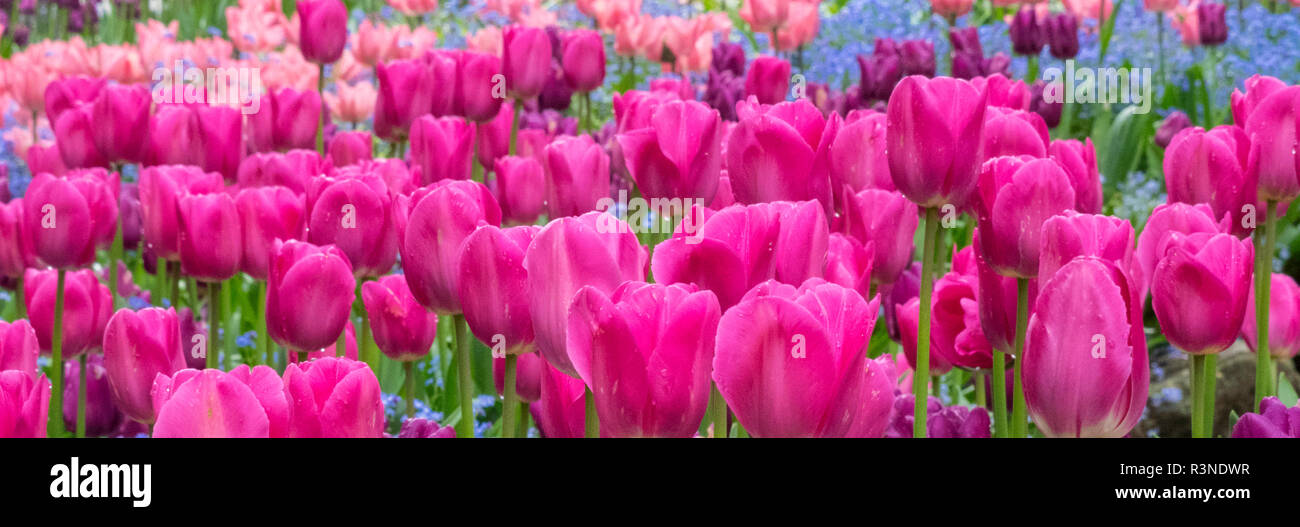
x=1108 y=29
x=1124 y=142
x=1286 y=393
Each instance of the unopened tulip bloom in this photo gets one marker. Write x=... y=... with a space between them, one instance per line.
x=525 y=60
x=1170 y=126
x=1165 y=222
x=350 y=148
x=1211 y=24
x=74 y=134
x=265 y=215
x=1027 y=35
x=403 y=329
x=887 y=221
x=1212 y=167
x=764 y=16
x=221 y=133
x=1014 y=133
x=880 y=71
x=1273 y=420
x=1062 y=33
x=577 y=175
x=309 y=295
x=102 y=416
x=520 y=188
x=405 y=93
x=528 y=377
x=595 y=249
x=768 y=79
x=649 y=350
x=933 y=135
x=480 y=97
x=1085 y=366
x=916 y=57
x=1071 y=235
x=857 y=155
x=560 y=411
x=15 y=251
x=354 y=212
x=121 y=122
x=680 y=155
x=86 y=308
x=1014 y=198
x=441 y=148
x=790 y=365
x=1199 y=291
x=781 y=152
x=583 y=59
x=951 y=9
x=1079 y=159
x=25 y=404
x=322 y=30
x=161 y=188
x=848 y=263
x=783 y=241
x=494 y=287
x=1272 y=132
x=1283 y=320
x=957 y=338
x=997 y=301
x=951 y=421
x=175 y=138
x=292 y=169
x=210 y=237
x=437 y=219
x=1258 y=87
x=245 y=402
x=332 y=397
x=18 y=346
x=442 y=66
x=287 y=120
x=139 y=345
x=70 y=92
x=64 y=219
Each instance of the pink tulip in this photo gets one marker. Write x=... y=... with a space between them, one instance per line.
x=175 y=137
x=25 y=404
x=210 y=238
x=494 y=287
x=102 y=416
x=121 y=122
x=997 y=298
x=1071 y=235
x=577 y=176
x=74 y=134
x=680 y=155
x=1283 y=318
x=331 y=397
x=267 y=214
x=245 y=402
x=951 y=9
x=1272 y=133
x=64 y=94
x=309 y=295
x=764 y=16
x=292 y=169
x=887 y=221
x=354 y=212
x=221 y=129
x=1014 y=198
x=1085 y=366
x=436 y=220
x=86 y=308
x=560 y=411
x=64 y=219
x=1211 y=167
x=479 y=99
x=857 y=155
x=1014 y=133
x=800 y=28
x=781 y=153
x=161 y=188
x=322 y=30
x=768 y=79
x=286 y=120
x=18 y=346
x=849 y=263
x=1258 y=88
x=352 y=103
x=45 y=159
x=932 y=131
x=583 y=59
x=594 y=249
x=528 y=378
x=1080 y=163
x=373 y=43
x=350 y=148
x=405 y=91
x=403 y=329
x=1199 y=291
x=633 y=109
x=443 y=67
x=441 y=148
x=15 y=250
x=957 y=339
x=1274 y=420
x=1004 y=93
x=646 y=351
x=525 y=60
x=521 y=189
x=739 y=247
x=493 y=138
x=138 y=346
x=791 y=362
x=1166 y=222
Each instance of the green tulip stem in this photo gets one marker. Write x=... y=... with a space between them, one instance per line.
x=409 y=388
x=214 y=323
x=591 y=428
x=980 y=397
x=514 y=127
x=523 y=419
x=464 y=427
x=508 y=415
x=1197 y=380
x=161 y=287
x=1264 y=386
x=1019 y=413
x=320 y=127
x=922 y=373
x=20 y=297
x=1210 y=372
x=81 y=395
x=55 y=427
x=1000 y=394
x=263 y=339
x=717 y=411
x=114 y=256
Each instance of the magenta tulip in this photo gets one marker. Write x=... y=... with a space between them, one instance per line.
x=849 y=263
x=161 y=189
x=86 y=308
x=405 y=93
x=646 y=351
x=420 y=428
x=19 y=347
x=577 y=176
x=493 y=138
x=292 y=169
x=1014 y=133
x=1199 y=291
x=74 y=134
x=1274 y=420
x=957 y=340
x=791 y=362
x=15 y=250
x=71 y=92
x=120 y=119
x=583 y=59
x=857 y=156
x=332 y=397
x=680 y=155
x=210 y=238
x=287 y=120
x=175 y=137
x=595 y=249
x=1212 y=167
x=528 y=378
x=245 y=402
x=267 y=214
x=1085 y=365
x=25 y=404
x=309 y=295
x=1165 y=222
x=1283 y=318
x=64 y=219
x=1071 y=235
x=1258 y=87
x=441 y=148
x=768 y=79
x=221 y=129
x=494 y=286
x=102 y=415
x=997 y=297
x=520 y=188
x=525 y=60
x=354 y=212
x=403 y=329
x=560 y=411
x=886 y=220
x=781 y=153
x=439 y=218
x=350 y=148
x=1080 y=163
x=322 y=30
x=1272 y=133
x=138 y=346
x=934 y=136
x=1014 y=198
x=479 y=96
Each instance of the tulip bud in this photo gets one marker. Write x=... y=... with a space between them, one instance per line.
x=857 y=155
x=782 y=153
x=1212 y=167
x=403 y=329
x=1080 y=163
x=86 y=308
x=309 y=295
x=137 y=347
x=1283 y=318
x=1165 y=223
x=1015 y=198
x=1272 y=132
x=442 y=66
x=477 y=82
x=332 y=397
x=887 y=221
x=120 y=117
x=494 y=287
x=1211 y=24
x=245 y=402
x=350 y=148
x=1062 y=32
x=354 y=212
x=266 y=214
x=405 y=92
x=925 y=118
x=25 y=404
x=221 y=129
x=768 y=79
x=322 y=30
x=210 y=241
x=577 y=176
x=916 y=57
x=525 y=60
x=74 y=132
x=680 y=155
x=64 y=219
x=437 y=219
x=1258 y=87
x=1014 y=133
x=441 y=148
x=18 y=346
x=728 y=56
x=175 y=137
x=584 y=60
x=520 y=188
x=15 y=250
x=1199 y=291
x=1027 y=36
